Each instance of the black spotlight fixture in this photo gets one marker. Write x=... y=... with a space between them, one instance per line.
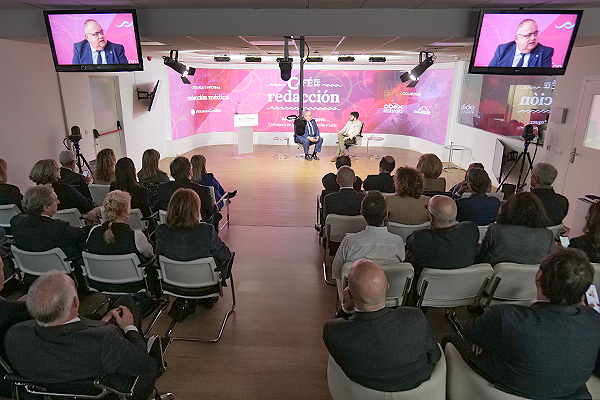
x=285 y=62
x=346 y=59
x=222 y=59
x=253 y=59
x=183 y=70
x=425 y=61
x=413 y=83
x=314 y=59
x=376 y=59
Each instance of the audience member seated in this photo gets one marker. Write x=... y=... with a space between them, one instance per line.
x=519 y=234
x=431 y=167
x=556 y=205
x=384 y=182
x=126 y=181
x=374 y=243
x=329 y=180
x=589 y=242
x=201 y=177
x=478 y=208
x=68 y=162
x=181 y=171
x=150 y=173
x=37 y=231
x=345 y=201
x=547 y=350
x=448 y=244
x=461 y=187
x=105 y=167
x=60 y=347
x=380 y=348
x=47 y=172
x=9 y=194
x=407 y=206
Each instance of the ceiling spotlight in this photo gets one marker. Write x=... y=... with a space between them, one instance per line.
x=222 y=59
x=183 y=70
x=413 y=83
x=286 y=62
x=425 y=61
x=314 y=59
x=253 y=59
x=346 y=59
x=376 y=59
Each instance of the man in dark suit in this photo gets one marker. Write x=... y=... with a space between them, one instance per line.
x=346 y=201
x=59 y=347
x=69 y=177
x=95 y=49
x=556 y=205
x=546 y=350
x=479 y=207
x=524 y=51
x=311 y=136
x=380 y=348
x=384 y=182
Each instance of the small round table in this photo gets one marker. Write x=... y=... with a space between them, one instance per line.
x=452 y=147
x=287 y=141
x=377 y=139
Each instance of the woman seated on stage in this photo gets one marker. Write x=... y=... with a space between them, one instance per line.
x=9 y=194
x=431 y=167
x=589 y=242
x=407 y=205
x=126 y=181
x=105 y=167
x=200 y=176
x=519 y=234
x=150 y=173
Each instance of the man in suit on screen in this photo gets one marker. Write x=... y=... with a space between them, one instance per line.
x=95 y=49
x=525 y=50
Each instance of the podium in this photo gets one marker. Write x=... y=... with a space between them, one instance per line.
x=245 y=134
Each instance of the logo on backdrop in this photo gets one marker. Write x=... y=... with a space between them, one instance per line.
x=467 y=109
x=423 y=110
x=393 y=108
x=125 y=24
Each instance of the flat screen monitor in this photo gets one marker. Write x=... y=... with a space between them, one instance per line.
x=524 y=42
x=94 y=41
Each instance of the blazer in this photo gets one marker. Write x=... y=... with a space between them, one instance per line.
x=479 y=208
x=166 y=190
x=407 y=210
x=140 y=198
x=384 y=182
x=70 y=197
x=114 y=53
x=515 y=243
x=10 y=194
x=76 y=180
x=540 y=56
x=556 y=205
x=344 y=202
x=316 y=132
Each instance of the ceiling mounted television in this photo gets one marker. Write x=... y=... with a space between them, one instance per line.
x=524 y=42
x=94 y=41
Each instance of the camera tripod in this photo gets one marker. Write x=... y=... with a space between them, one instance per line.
x=524 y=156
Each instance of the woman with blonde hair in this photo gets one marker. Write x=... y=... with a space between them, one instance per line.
x=105 y=167
x=204 y=178
x=431 y=167
x=150 y=173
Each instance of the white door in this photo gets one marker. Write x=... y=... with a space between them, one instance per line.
x=583 y=171
x=107 y=111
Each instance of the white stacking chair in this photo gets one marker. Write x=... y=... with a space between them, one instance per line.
x=482 y=230
x=464 y=383
x=36 y=263
x=343 y=388
x=513 y=283
x=498 y=195
x=98 y=193
x=593 y=386
x=556 y=230
x=335 y=229
x=136 y=220
x=7 y=212
x=405 y=231
x=162 y=216
x=70 y=215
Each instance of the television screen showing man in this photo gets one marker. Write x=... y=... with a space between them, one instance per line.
x=525 y=50
x=96 y=49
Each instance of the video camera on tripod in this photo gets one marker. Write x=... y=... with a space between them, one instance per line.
x=75 y=137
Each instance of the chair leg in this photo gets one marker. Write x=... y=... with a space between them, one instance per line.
x=422 y=294
x=101 y=305
x=165 y=304
x=451 y=317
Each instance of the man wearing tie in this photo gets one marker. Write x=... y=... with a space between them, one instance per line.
x=311 y=136
x=525 y=50
x=95 y=49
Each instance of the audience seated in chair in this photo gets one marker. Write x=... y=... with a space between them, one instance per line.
x=589 y=242
x=9 y=194
x=431 y=167
x=380 y=348
x=68 y=176
x=384 y=182
x=329 y=180
x=150 y=176
x=407 y=206
x=478 y=208
x=556 y=205
x=105 y=167
x=547 y=350
x=345 y=201
x=59 y=346
x=201 y=177
x=125 y=180
x=519 y=234
x=374 y=243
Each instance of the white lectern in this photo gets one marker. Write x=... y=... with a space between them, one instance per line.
x=245 y=135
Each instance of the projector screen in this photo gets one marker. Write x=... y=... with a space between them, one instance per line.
x=384 y=103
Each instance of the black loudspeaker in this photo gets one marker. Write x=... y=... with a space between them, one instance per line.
x=286 y=70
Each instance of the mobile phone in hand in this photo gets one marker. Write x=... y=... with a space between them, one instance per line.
x=85 y=173
x=564 y=241
x=591 y=295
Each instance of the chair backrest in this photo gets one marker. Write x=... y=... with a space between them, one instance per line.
x=7 y=212
x=70 y=215
x=498 y=195
x=465 y=383
x=406 y=230
x=37 y=262
x=112 y=269
x=135 y=221
x=162 y=216
x=596 y=274
x=98 y=192
x=453 y=287
x=337 y=226
x=189 y=274
x=343 y=388
x=514 y=282
x=556 y=230
x=482 y=231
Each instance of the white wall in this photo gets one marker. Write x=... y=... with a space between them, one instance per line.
x=31 y=113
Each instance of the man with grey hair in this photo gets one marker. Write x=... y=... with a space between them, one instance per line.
x=448 y=244
x=556 y=205
x=59 y=347
x=68 y=176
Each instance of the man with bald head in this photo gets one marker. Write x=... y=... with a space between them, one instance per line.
x=525 y=50
x=448 y=244
x=380 y=348
x=95 y=49
x=346 y=201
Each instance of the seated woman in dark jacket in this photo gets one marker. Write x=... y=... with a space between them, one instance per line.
x=125 y=180
x=589 y=242
x=519 y=234
x=9 y=194
x=150 y=176
x=201 y=177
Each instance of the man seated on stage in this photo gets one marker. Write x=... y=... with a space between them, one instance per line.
x=384 y=182
x=546 y=350
x=479 y=207
x=380 y=348
x=352 y=128
x=311 y=136
x=95 y=49
x=525 y=50
x=374 y=243
x=556 y=205
x=346 y=201
x=59 y=347
x=68 y=163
